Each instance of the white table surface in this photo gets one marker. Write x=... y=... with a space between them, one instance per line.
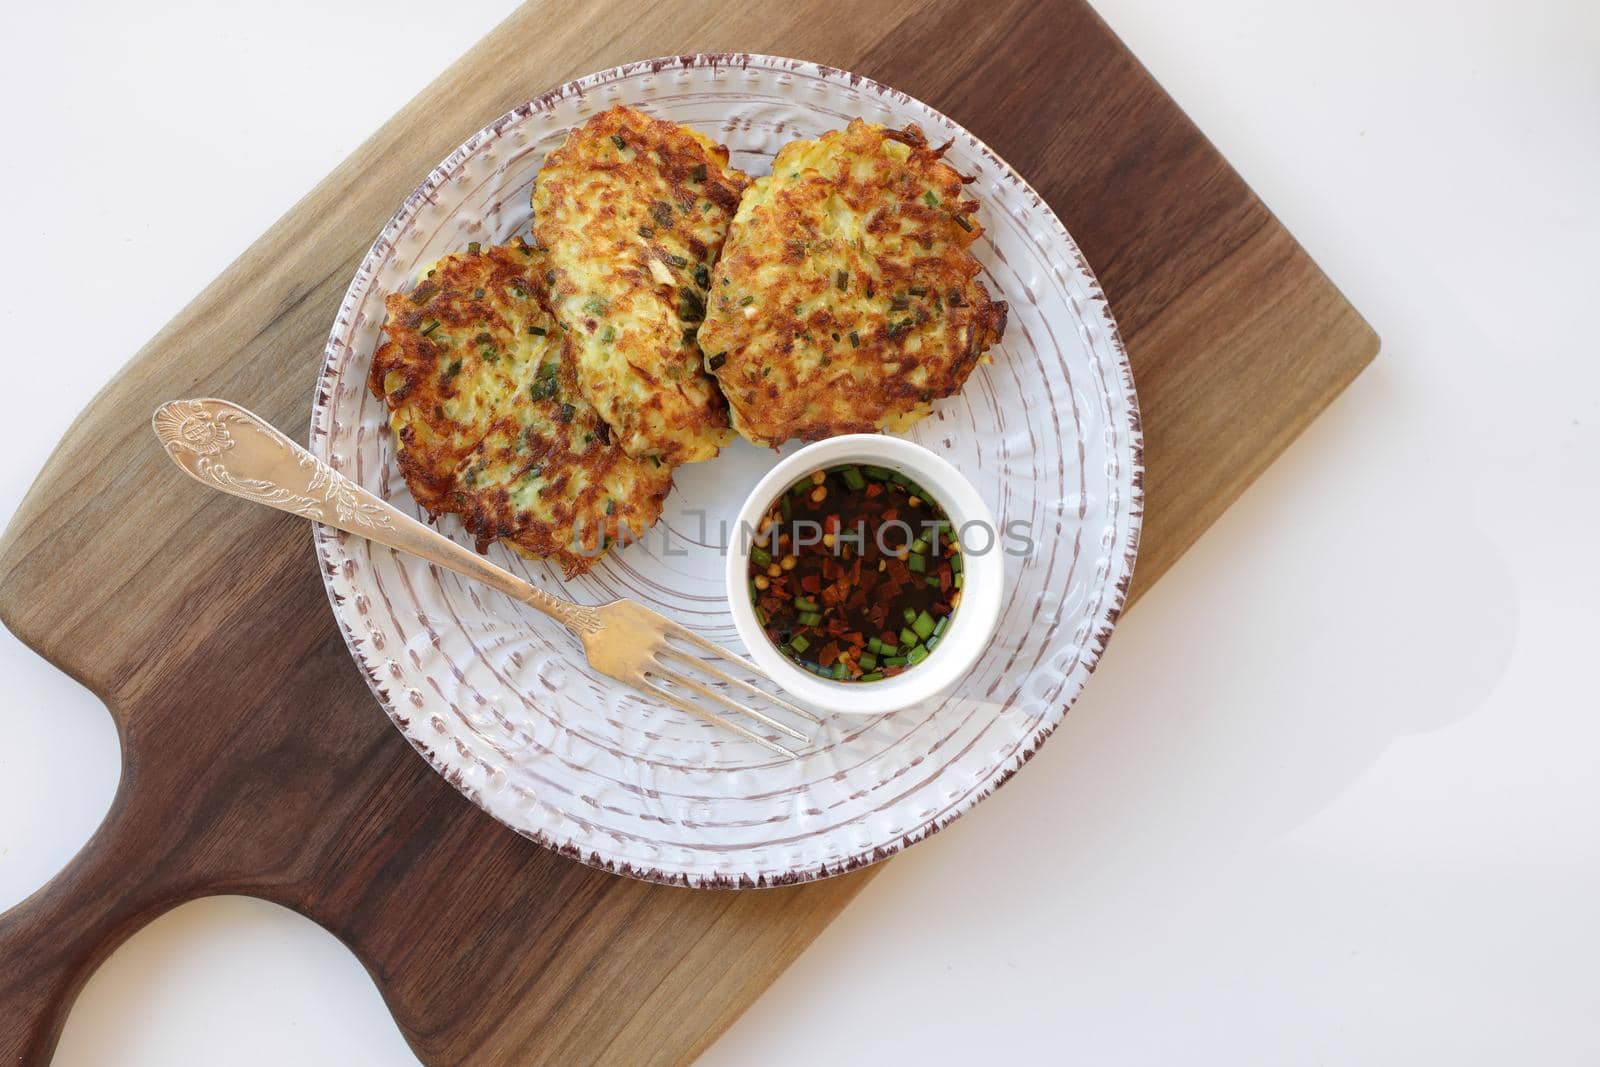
x=1333 y=795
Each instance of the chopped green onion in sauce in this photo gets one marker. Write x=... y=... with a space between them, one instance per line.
x=871 y=595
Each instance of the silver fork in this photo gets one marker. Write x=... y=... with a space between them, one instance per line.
x=623 y=640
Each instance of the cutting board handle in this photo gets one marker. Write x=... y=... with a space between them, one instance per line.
x=52 y=942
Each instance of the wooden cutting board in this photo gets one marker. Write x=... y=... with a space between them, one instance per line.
x=255 y=759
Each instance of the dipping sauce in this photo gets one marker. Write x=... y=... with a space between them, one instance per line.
x=855 y=573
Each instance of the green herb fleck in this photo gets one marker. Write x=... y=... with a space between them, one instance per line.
x=690 y=307
x=544 y=386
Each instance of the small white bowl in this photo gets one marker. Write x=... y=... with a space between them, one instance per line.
x=972 y=623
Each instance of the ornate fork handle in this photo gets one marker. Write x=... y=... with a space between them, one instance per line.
x=236 y=451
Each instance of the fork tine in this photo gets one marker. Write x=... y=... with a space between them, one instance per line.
x=695 y=639
x=726 y=701
x=712 y=717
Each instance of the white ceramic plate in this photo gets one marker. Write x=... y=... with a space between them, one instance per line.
x=500 y=700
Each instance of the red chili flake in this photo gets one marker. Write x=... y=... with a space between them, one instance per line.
x=811 y=583
x=828 y=654
x=873 y=489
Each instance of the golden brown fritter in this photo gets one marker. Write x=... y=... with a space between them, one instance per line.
x=488 y=419
x=633 y=212
x=846 y=299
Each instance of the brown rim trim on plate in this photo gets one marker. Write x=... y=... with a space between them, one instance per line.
x=1109 y=615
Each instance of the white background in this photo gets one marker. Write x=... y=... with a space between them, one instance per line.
x=1333 y=795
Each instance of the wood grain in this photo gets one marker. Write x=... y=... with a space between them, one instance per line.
x=255 y=759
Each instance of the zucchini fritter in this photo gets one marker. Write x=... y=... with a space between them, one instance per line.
x=488 y=419
x=846 y=299
x=633 y=212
